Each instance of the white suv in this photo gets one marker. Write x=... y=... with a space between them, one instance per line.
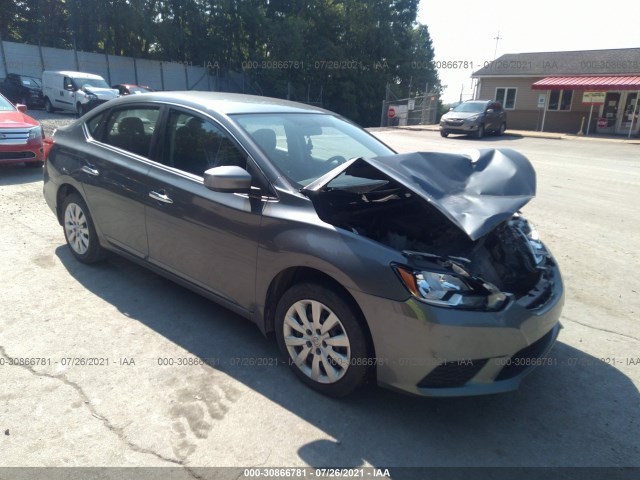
x=74 y=91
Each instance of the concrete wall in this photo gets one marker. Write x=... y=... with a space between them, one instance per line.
x=32 y=60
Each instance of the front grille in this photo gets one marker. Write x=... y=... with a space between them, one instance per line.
x=16 y=155
x=519 y=362
x=455 y=123
x=14 y=136
x=452 y=374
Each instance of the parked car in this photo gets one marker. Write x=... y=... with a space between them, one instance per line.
x=21 y=137
x=76 y=92
x=474 y=117
x=415 y=270
x=129 y=88
x=23 y=89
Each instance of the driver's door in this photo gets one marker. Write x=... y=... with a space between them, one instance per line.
x=207 y=238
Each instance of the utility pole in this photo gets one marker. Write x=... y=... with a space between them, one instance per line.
x=497 y=39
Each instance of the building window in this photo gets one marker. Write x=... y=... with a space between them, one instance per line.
x=507 y=97
x=560 y=100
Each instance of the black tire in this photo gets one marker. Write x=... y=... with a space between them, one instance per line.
x=501 y=130
x=38 y=164
x=350 y=371
x=79 y=230
x=80 y=110
x=480 y=131
x=24 y=102
x=444 y=133
x=48 y=107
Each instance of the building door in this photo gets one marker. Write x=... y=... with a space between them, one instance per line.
x=628 y=120
x=610 y=113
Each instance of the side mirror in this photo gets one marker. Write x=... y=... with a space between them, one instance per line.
x=21 y=108
x=228 y=179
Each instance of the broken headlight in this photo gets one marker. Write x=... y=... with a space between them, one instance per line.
x=451 y=290
x=530 y=234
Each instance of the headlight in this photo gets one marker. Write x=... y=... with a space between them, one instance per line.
x=451 y=290
x=91 y=97
x=36 y=132
x=472 y=119
x=532 y=237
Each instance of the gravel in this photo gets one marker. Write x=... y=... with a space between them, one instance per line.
x=51 y=121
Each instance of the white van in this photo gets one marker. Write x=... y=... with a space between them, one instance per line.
x=74 y=91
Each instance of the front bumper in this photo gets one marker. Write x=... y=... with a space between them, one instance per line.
x=433 y=351
x=33 y=151
x=464 y=128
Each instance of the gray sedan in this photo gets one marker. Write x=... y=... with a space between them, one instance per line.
x=415 y=271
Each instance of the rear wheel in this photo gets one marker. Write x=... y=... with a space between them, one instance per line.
x=79 y=230
x=480 y=131
x=48 y=107
x=322 y=338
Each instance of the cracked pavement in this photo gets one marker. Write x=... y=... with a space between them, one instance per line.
x=132 y=408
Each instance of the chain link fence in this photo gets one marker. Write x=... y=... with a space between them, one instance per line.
x=422 y=110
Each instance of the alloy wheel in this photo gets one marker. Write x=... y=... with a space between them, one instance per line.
x=76 y=228
x=316 y=341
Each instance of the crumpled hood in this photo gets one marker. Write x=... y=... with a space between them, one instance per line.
x=102 y=93
x=475 y=191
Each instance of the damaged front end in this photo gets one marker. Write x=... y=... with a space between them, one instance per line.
x=455 y=218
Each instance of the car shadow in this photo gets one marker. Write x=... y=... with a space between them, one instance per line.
x=578 y=411
x=17 y=174
x=487 y=138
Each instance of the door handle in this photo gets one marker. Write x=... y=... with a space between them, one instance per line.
x=90 y=171
x=161 y=197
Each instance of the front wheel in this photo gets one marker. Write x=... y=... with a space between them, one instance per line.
x=480 y=131
x=503 y=127
x=48 y=107
x=444 y=133
x=79 y=230
x=323 y=339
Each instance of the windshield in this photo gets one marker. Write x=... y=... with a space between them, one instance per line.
x=30 y=82
x=471 y=107
x=91 y=82
x=305 y=146
x=138 y=90
x=6 y=105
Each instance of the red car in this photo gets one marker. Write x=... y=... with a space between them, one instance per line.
x=130 y=89
x=21 y=137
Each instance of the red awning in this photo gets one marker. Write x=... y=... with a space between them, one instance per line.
x=588 y=83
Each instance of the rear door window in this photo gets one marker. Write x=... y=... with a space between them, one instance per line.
x=132 y=129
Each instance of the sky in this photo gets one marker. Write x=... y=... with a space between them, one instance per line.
x=465 y=31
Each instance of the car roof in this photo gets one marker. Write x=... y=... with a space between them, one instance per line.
x=69 y=73
x=225 y=103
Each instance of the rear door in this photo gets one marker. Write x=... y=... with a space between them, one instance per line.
x=115 y=167
x=208 y=238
